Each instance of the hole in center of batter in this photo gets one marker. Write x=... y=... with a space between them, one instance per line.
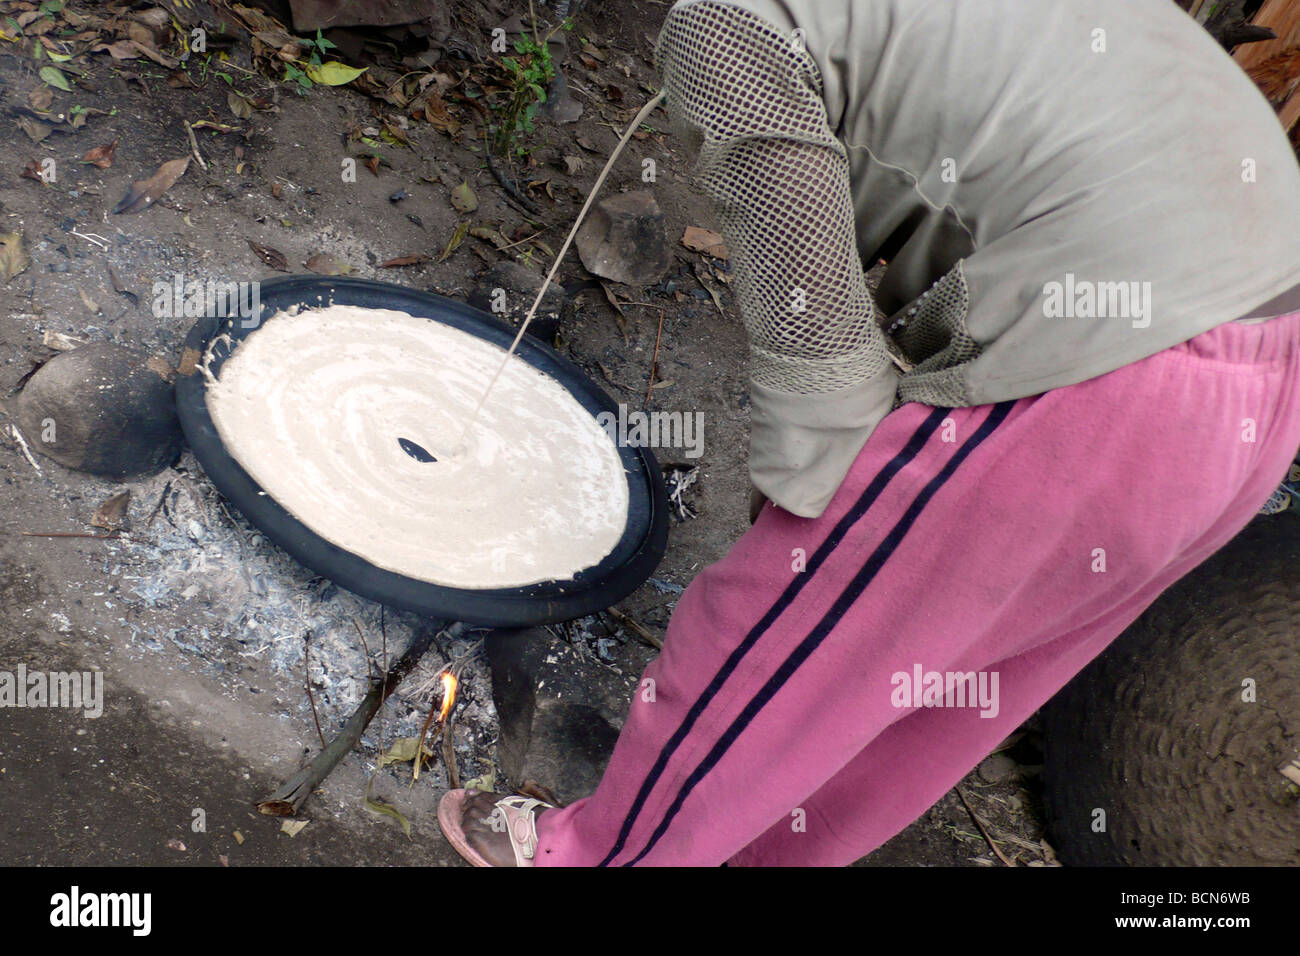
x=415 y=451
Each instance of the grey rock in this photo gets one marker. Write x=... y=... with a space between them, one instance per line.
x=997 y=768
x=624 y=239
x=103 y=409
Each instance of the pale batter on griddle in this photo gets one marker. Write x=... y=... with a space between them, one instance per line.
x=312 y=406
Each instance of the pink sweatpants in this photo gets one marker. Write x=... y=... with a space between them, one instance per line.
x=1012 y=542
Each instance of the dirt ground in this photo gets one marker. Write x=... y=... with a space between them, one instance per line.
x=196 y=719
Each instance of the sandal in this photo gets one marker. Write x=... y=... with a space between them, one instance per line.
x=520 y=817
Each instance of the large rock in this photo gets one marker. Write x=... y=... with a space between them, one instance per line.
x=518 y=287
x=624 y=239
x=104 y=409
x=549 y=703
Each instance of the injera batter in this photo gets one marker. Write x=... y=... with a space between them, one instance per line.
x=312 y=406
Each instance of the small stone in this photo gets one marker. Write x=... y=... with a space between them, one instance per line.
x=102 y=409
x=625 y=239
x=997 y=769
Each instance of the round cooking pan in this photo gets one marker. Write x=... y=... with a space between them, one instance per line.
x=632 y=560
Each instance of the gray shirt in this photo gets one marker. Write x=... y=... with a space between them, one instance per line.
x=1060 y=188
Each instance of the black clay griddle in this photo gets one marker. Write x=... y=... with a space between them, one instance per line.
x=632 y=561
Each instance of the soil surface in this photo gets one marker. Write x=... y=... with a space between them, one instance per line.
x=197 y=623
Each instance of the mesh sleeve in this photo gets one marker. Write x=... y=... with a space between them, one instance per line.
x=780 y=180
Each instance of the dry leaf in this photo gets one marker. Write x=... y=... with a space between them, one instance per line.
x=101 y=156
x=488 y=234
x=32 y=171
x=293 y=827
x=272 y=257
x=40 y=98
x=324 y=265
x=573 y=165
x=61 y=342
x=705 y=241
x=162 y=59
x=463 y=198
x=111 y=514
x=121 y=50
x=145 y=193
x=403 y=751
x=35 y=129
x=239 y=104
x=456 y=239
x=88 y=302
x=413 y=260
x=372 y=163
x=13 y=258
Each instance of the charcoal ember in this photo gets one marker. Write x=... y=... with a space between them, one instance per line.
x=103 y=409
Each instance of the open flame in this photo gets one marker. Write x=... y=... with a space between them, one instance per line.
x=449 y=683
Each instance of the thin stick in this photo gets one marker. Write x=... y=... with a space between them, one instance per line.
x=287 y=800
x=555 y=267
x=306 y=667
x=654 y=361
x=980 y=823
x=111 y=536
x=22 y=444
x=194 y=145
x=449 y=752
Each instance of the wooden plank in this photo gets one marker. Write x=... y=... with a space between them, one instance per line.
x=1283 y=18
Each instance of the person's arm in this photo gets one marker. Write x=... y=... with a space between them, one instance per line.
x=821 y=379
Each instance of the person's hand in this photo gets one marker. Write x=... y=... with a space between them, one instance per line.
x=756 y=501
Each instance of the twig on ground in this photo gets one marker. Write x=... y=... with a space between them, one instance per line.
x=983 y=830
x=654 y=360
x=287 y=800
x=311 y=698
x=22 y=445
x=636 y=628
x=194 y=145
x=449 y=752
x=111 y=536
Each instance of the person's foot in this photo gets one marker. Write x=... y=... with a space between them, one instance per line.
x=486 y=830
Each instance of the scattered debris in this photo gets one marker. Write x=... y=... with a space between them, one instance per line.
x=272 y=257
x=705 y=241
x=101 y=156
x=13 y=257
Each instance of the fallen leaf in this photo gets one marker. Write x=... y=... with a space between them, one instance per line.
x=456 y=239
x=35 y=129
x=334 y=73
x=402 y=751
x=324 y=265
x=491 y=235
x=120 y=50
x=40 y=98
x=181 y=80
x=162 y=59
x=88 y=302
x=413 y=260
x=573 y=165
x=55 y=78
x=705 y=241
x=591 y=50
x=372 y=163
x=376 y=806
x=666 y=383
x=13 y=258
x=101 y=156
x=463 y=198
x=145 y=193
x=32 y=171
x=293 y=827
x=239 y=104
x=272 y=257
x=111 y=513
x=586 y=144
